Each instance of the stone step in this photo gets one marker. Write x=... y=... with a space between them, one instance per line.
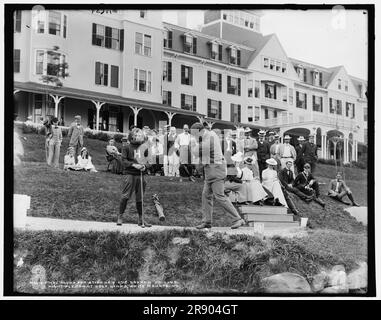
x=269 y=217
x=277 y=224
x=263 y=209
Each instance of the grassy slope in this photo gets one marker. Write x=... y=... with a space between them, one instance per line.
x=208 y=264
x=54 y=193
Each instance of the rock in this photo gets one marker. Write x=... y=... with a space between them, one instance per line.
x=358 y=278
x=334 y=290
x=320 y=281
x=180 y=241
x=286 y=282
x=337 y=277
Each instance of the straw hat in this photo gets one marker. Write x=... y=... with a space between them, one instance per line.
x=271 y=162
x=301 y=138
x=248 y=160
x=287 y=137
x=247 y=130
x=238 y=157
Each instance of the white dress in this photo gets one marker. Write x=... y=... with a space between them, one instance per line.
x=271 y=182
x=69 y=162
x=86 y=164
x=253 y=188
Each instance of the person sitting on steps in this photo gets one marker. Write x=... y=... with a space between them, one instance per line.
x=338 y=190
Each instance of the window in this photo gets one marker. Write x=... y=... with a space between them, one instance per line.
x=17 y=21
x=257 y=114
x=317 y=103
x=214 y=109
x=339 y=107
x=214 y=81
x=114 y=76
x=142 y=80
x=101 y=73
x=188 y=102
x=266 y=62
x=216 y=51
x=143 y=44
x=234 y=85
x=332 y=105
x=40 y=62
x=339 y=84
x=190 y=44
x=250 y=88
x=266 y=113
x=275 y=114
x=290 y=96
x=16 y=60
x=284 y=67
x=99 y=36
x=277 y=68
x=107 y=37
x=301 y=100
x=365 y=114
x=224 y=16
x=272 y=64
x=167 y=98
x=350 y=110
x=186 y=75
x=143 y=14
x=64 y=26
x=346 y=85
x=257 y=89
x=52 y=63
x=37 y=106
x=167 y=41
x=284 y=94
x=235 y=112
x=41 y=22
x=167 y=71
x=270 y=91
x=114 y=39
x=234 y=56
x=54 y=23
x=250 y=114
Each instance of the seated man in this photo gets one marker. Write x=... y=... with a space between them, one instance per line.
x=307 y=184
x=286 y=177
x=338 y=189
x=114 y=157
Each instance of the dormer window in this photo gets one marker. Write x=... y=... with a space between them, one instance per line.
x=346 y=85
x=234 y=56
x=167 y=40
x=190 y=44
x=215 y=51
x=339 y=84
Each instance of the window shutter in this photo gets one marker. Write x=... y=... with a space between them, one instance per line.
x=97 y=72
x=209 y=78
x=105 y=77
x=194 y=45
x=191 y=76
x=239 y=57
x=305 y=101
x=182 y=74
x=220 y=52
x=353 y=111
x=121 y=39
x=305 y=75
x=114 y=76
x=182 y=100
x=108 y=34
x=194 y=103
x=18 y=20
x=220 y=82
x=229 y=82
x=239 y=113
x=209 y=107
x=169 y=95
x=94 y=34
x=320 y=79
x=239 y=86
x=170 y=39
x=169 y=71
x=232 y=112
x=219 y=110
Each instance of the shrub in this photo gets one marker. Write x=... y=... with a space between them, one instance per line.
x=330 y=162
x=118 y=137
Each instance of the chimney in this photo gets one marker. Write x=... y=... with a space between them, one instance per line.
x=182 y=18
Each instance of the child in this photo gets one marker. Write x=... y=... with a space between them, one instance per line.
x=84 y=161
x=69 y=160
x=54 y=144
x=133 y=157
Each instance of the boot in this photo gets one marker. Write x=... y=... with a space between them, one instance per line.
x=141 y=222
x=204 y=225
x=319 y=201
x=350 y=196
x=122 y=207
x=292 y=207
x=120 y=221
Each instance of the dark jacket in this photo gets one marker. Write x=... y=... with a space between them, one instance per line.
x=263 y=151
x=286 y=178
x=301 y=180
x=134 y=154
x=309 y=152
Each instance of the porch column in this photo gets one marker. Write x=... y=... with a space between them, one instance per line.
x=98 y=106
x=136 y=111
x=345 y=150
x=200 y=118
x=323 y=146
x=170 y=116
x=356 y=150
x=57 y=100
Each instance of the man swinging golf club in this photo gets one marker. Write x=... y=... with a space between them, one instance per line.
x=134 y=159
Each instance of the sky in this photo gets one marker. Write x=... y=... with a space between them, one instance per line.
x=327 y=38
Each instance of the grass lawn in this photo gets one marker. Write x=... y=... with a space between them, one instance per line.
x=213 y=264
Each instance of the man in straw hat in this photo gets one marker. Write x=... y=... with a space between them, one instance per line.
x=263 y=152
x=215 y=172
x=299 y=162
x=309 y=152
x=287 y=152
x=274 y=150
x=75 y=134
x=271 y=138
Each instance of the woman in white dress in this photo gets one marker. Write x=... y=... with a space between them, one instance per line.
x=84 y=161
x=271 y=182
x=252 y=185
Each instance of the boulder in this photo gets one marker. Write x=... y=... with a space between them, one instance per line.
x=335 y=290
x=180 y=241
x=358 y=278
x=285 y=282
x=319 y=281
x=337 y=277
